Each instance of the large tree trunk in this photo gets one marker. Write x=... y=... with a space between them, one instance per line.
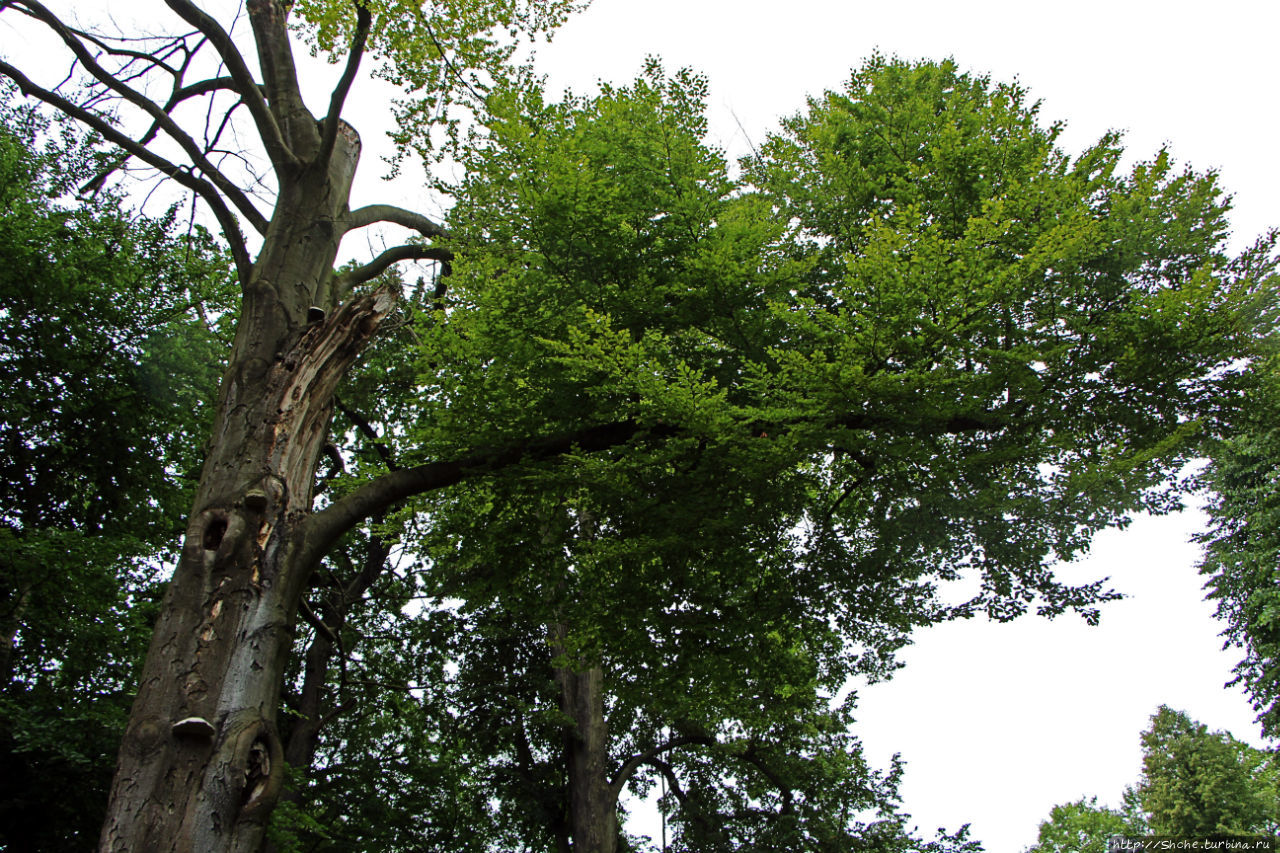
x=593 y=807
x=201 y=763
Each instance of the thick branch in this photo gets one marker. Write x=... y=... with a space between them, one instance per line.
x=226 y=219
x=634 y=763
x=268 y=19
x=374 y=213
x=268 y=128
x=345 y=281
x=376 y=496
x=326 y=526
x=329 y=134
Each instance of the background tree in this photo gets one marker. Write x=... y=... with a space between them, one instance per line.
x=1082 y=827
x=1195 y=783
x=111 y=336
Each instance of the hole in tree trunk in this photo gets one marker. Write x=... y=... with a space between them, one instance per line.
x=213 y=533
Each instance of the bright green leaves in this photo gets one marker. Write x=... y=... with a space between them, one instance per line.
x=601 y=254
x=1081 y=827
x=442 y=54
x=1023 y=341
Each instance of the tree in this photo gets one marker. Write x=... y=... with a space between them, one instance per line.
x=946 y=371
x=1197 y=783
x=201 y=763
x=575 y=575
x=604 y=254
x=110 y=312
x=1081 y=827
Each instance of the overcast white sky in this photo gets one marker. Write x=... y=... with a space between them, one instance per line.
x=999 y=722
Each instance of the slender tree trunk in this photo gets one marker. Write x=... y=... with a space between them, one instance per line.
x=201 y=763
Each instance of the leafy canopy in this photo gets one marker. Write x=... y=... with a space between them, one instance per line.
x=917 y=342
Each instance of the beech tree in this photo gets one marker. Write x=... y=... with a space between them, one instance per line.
x=201 y=764
x=921 y=329
x=602 y=250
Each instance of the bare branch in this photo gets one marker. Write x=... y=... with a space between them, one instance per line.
x=154 y=58
x=345 y=281
x=329 y=135
x=226 y=219
x=365 y=216
x=268 y=128
x=158 y=114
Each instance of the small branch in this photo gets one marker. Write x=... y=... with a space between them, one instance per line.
x=374 y=213
x=344 y=282
x=329 y=134
x=362 y=424
x=633 y=763
x=310 y=617
x=673 y=782
x=159 y=115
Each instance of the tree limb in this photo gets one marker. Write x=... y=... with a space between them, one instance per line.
x=233 y=193
x=374 y=213
x=673 y=782
x=632 y=764
x=267 y=18
x=752 y=756
x=268 y=128
x=343 y=282
x=329 y=133
x=325 y=527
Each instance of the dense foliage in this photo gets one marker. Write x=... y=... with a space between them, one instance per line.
x=666 y=453
x=857 y=376
x=1243 y=546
